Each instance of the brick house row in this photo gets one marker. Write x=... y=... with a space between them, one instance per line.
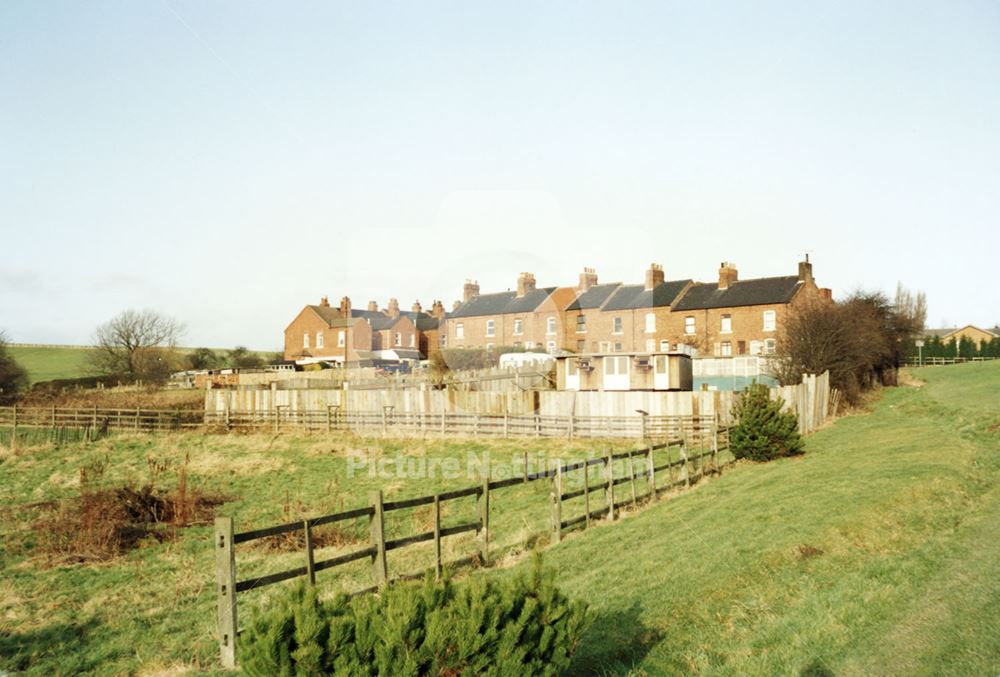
x=345 y=334
x=727 y=317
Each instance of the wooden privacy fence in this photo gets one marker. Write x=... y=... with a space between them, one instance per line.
x=388 y=421
x=689 y=466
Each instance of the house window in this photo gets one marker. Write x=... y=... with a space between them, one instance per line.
x=615 y=366
x=398 y=339
x=340 y=338
x=650 y=323
x=518 y=327
x=581 y=324
x=727 y=349
x=550 y=326
x=618 y=347
x=769 y=346
x=305 y=340
x=550 y=347
x=490 y=346
x=664 y=346
x=443 y=340
x=459 y=331
x=529 y=345
x=689 y=324
x=755 y=347
x=490 y=327
x=650 y=345
x=517 y=344
x=572 y=369
x=769 y=320
x=727 y=324
x=617 y=326
x=319 y=339
x=413 y=340
x=605 y=347
x=581 y=346
x=741 y=347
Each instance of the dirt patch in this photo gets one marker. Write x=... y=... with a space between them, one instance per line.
x=909 y=380
x=325 y=536
x=993 y=428
x=806 y=551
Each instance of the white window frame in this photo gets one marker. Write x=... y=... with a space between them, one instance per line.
x=518 y=327
x=650 y=323
x=726 y=349
x=319 y=339
x=770 y=346
x=581 y=321
x=690 y=325
x=443 y=340
x=756 y=347
x=616 y=325
x=770 y=320
x=618 y=347
x=460 y=331
x=305 y=340
x=550 y=326
x=397 y=340
x=413 y=340
x=490 y=346
x=726 y=324
x=650 y=345
x=341 y=338
x=664 y=345
x=550 y=347
x=491 y=328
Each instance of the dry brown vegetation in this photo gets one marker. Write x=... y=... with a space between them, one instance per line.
x=102 y=522
x=114 y=398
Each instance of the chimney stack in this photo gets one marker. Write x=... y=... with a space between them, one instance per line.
x=416 y=307
x=826 y=294
x=805 y=270
x=345 y=307
x=727 y=274
x=324 y=302
x=525 y=284
x=392 y=310
x=588 y=279
x=437 y=310
x=455 y=306
x=373 y=306
x=470 y=291
x=654 y=276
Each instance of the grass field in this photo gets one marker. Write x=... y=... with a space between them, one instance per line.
x=50 y=363
x=878 y=552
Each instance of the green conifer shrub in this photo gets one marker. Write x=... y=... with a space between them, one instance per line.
x=763 y=432
x=512 y=625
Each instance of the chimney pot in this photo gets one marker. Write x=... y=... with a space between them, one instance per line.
x=805 y=270
x=324 y=302
x=416 y=307
x=588 y=279
x=437 y=310
x=345 y=307
x=373 y=306
x=392 y=310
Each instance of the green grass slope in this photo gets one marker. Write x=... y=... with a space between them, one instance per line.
x=878 y=552
x=50 y=363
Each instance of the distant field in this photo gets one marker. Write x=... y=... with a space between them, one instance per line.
x=50 y=363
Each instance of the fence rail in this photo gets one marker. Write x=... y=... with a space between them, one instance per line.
x=94 y=422
x=931 y=361
x=683 y=471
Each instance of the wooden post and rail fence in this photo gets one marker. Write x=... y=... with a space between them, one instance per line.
x=691 y=463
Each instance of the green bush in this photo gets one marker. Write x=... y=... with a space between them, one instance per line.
x=516 y=625
x=762 y=431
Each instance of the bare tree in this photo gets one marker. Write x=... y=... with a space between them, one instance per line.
x=137 y=344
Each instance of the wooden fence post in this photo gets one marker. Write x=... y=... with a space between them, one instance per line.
x=650 y=469
x=136 y=426
x=483 y=508
x=329 y=423
x=684 y=458
x=715 y=446
x=437 y=536
x=609 y=477
x=13 y=434
x=572 y=424
x=586 y=492
x=93 y=426
x=225 y=577
x=380 y=568
x=631 y=473
x=525 y=467
x=310 y=561
x=505 y=424
x=557 y=505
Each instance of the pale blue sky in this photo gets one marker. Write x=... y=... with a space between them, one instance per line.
x=226 y=163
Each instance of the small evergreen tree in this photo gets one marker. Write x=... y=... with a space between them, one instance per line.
x=763 y=432
x=966 y=347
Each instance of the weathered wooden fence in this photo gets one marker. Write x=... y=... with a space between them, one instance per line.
x=935 y=361
x=692 y=463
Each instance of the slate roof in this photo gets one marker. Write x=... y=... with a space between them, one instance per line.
x=636 y=296
x=940 y=332
x=502 y=303
x=755 y=292
x=594 y=297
